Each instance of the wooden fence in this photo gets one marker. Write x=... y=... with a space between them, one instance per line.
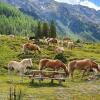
x=47 y=75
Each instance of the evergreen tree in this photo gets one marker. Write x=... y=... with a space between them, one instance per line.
x=60 y=56
x=45 y=30
x=13 y=21
x=52 y=29
x=38 y=33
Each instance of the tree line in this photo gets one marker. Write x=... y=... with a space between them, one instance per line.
x=45 y=30
x=13 y=21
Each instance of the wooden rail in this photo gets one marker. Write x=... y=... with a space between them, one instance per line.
x=48 y=71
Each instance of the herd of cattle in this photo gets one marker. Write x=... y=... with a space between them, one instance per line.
x=59 y=44
x=86 y=65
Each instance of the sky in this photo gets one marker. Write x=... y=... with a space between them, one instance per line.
x=89 y=3
x=97 y=2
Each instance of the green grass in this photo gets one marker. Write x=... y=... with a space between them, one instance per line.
x=69 y=90
x=10 y=49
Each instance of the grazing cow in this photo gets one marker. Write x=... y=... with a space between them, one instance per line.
x=46 y=40
x=60 y=43
x=78 y=45
x=51 y=41
x=59 y=49
x=42 y=41
x=19 y=66
x=65 y=43
x=70 y=45
x=85 y=65
x=31 y=47
x=53 y=64
x=66 y=39
x=12 y=36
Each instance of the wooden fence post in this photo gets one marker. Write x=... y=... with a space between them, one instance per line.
x=14 y=93
x=10 y=98
x=51 y=81
x=60 y=82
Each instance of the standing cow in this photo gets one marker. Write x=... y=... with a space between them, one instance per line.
x=70 y=45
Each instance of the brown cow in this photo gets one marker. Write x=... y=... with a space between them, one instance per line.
x=51 y=41
x=86 y=65
x=54 y=64
x=66 y=39
x=31 y=47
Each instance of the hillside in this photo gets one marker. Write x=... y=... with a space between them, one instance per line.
x=10 y=49
x=13 y=21
x=75 y=21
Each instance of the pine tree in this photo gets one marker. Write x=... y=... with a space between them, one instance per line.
x=52 y=30
x=38 y=33
x=12 y=21
x=45 y=30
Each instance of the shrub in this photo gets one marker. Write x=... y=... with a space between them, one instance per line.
x=78 y=41
x=61 y=57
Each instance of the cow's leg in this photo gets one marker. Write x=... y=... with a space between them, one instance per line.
x=70 y=47
x=21 y=76
x=71 y=71
x=95 y=70
x=35 y=52
x=83 y=74
x=9 y=75
x=71 y=74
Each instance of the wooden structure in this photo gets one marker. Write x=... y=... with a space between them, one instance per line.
x=47 y=75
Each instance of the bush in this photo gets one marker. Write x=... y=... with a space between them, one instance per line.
x=61 y=57
x=78 y=41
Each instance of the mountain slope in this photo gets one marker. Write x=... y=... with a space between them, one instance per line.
x=73 y=20
x=12 y=21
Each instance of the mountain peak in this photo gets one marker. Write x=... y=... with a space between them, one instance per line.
x=43 y=1
x=87 y=3
x=72 y=20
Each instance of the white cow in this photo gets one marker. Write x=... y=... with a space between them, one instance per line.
x=70 y=45
x=59 y=49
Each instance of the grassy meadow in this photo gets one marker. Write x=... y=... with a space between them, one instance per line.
x=79 y=89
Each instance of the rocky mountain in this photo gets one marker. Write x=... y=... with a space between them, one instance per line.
x=72 y=20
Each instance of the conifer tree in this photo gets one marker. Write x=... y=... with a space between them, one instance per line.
x=38 y=33
x=45 y=30
x=52 y=29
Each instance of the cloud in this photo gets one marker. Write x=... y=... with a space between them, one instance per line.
x=69 y=1
x=87 y=3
